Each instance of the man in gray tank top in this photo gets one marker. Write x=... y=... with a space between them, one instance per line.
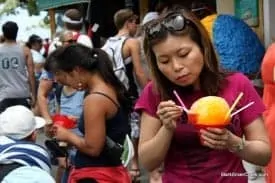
x=17 y=82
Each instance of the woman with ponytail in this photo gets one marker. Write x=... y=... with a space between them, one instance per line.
x=105 y=112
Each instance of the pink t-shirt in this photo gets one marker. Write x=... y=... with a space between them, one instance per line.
x=187 y=160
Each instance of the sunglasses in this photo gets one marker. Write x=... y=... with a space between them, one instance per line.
x=172 y=22
x=70 y=41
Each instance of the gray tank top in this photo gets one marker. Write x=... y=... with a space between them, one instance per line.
x=13 y=72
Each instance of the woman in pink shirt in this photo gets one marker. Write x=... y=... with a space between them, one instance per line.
x=182 y=58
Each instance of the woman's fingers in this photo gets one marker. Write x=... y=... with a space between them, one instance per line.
x=215 y=138
x=214 y=135
x=218 y=131
x=171 y=114
x=168 y=113
x=166 y=104
x=214 y=142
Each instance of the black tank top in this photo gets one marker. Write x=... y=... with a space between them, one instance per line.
x=116 y=128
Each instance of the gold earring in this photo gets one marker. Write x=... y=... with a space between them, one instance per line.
x=79 y=87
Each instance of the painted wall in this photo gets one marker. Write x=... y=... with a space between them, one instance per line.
x=227 y=7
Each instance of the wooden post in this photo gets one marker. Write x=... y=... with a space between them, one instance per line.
x=52 y=22
x=143 y=8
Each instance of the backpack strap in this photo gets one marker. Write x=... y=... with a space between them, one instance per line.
x=107 y=96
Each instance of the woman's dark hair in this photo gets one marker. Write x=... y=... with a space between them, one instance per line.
x=211 y=75
x=33 y=39
x=94 y=60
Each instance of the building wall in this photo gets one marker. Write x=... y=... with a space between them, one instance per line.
x=227 y=7
x=269 y=28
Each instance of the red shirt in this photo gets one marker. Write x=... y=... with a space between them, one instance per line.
x=187 y=160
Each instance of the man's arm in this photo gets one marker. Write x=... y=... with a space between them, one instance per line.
x=30 y=68
x=133 y=45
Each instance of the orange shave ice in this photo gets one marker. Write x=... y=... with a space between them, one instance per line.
x=210 y=111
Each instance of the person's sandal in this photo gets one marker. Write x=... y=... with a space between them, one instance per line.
x=135 y=175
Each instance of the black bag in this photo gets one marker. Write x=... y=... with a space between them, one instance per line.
x=56 y=151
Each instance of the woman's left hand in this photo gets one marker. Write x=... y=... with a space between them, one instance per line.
x=60 y=133
x=216 y=138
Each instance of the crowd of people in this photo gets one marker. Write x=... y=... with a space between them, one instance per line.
x=126 y=89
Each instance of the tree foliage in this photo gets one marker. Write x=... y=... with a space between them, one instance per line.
x=10 y=5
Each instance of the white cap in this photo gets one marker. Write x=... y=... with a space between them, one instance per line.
x=28 y=174
x=19 y=122
x=149 y=17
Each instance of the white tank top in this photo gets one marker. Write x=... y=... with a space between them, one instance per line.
x=113 y=47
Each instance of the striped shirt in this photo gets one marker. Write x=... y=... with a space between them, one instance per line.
x=23 y=152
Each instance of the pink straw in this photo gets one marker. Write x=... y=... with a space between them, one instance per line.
x=243 y=108
x=180 y=101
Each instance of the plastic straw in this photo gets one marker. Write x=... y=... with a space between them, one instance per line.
x=234 y=105
x=180 y=101
x=243 y=108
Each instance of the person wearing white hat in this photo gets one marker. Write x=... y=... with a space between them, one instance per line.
x=18 y=122
x=149 y=17
x=18 y=127
x=27 y=174
x=73 y=21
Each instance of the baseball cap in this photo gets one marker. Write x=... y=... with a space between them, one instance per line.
x=149 y=17
x=19 y=122
x=28 y=174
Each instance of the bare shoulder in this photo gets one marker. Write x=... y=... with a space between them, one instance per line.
x=132 y=42
x=26 y=50
x=101 y=101
x=132 y=45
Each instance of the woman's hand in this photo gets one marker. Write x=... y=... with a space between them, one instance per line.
x=48 y=130
x=168 y=113
x=217 y=138
x=60 y=133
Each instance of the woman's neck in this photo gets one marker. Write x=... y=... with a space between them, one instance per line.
x=96 y=83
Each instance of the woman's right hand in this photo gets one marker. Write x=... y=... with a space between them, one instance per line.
x=168 y=113
x=48 y=130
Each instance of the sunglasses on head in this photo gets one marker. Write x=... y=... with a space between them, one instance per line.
x=172 y=22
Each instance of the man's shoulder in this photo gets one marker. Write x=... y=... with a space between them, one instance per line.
x=132 y=40
x=132 y=43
